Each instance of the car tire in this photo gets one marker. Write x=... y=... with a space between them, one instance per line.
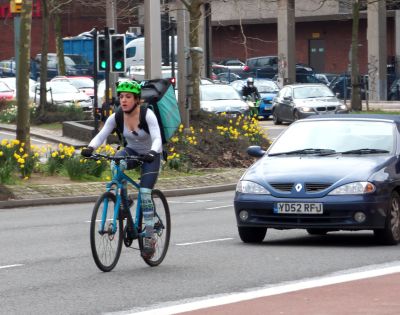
x=296 y=116
x=317 y=231
x=276 y=119
x=390 y=234
x=252 y=234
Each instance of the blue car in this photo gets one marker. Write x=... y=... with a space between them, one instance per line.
x=268 y=89
x=325 y=173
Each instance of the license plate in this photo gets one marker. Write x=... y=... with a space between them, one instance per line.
x=231 y=115
x=298 y=208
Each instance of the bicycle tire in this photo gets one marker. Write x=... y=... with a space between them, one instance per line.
x=162 y=225
x=106 y=248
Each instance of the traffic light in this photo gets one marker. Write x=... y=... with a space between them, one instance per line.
x=16 y=6
x=117 y=44
x=103 y=55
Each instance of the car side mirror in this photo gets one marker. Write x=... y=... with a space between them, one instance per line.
x=255 y=151
x=287 y=98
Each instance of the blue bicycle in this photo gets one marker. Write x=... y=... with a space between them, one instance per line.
x=113 y=223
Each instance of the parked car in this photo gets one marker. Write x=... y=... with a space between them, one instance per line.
x=233 y=64
x=227 y=77
x=74 y=65
x=341 y=86
x=6 y=93
x=394 y=91
x=222 y=98
x=65 y=94
x=11 y=83
x=298 y=101
x=325 y=78
x=268 y=89
x=83 y=84
x=323 y=174
x=267 y=67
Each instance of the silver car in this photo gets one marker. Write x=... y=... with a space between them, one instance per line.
x=222 y=98
x=65 y=94
x=298 y=101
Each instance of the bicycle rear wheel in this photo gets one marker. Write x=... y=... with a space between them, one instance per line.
x=162 y=228
x=106 y=245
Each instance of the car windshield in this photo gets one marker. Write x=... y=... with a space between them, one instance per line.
x=218 y=92
x=266 y=86
x=311 y=92
x=4 y=87
x=366 y=137
x=76 y=60
x=59 y=88
x=82 y=83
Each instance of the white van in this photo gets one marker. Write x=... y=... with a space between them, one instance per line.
x=135 y=51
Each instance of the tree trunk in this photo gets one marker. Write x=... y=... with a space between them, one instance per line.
x=355 y=73
x=195 y=15
x=59 y=44
x=43 y=61
x=23 y=59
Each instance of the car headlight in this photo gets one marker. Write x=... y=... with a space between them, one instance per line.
x=357 y=188
x=343 y=107
x=247 y=187
x=306 y=109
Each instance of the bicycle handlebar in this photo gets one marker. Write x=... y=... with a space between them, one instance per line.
x=98 y=156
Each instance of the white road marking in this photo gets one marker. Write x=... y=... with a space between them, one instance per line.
x=211 y=208
x=344 y=276
x=189 y=202
x=11 y=266
x=208 y=241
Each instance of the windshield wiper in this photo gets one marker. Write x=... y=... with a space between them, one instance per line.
x=365 y=151
x=306 y=151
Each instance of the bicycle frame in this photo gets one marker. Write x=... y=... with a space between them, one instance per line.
x=118 y=179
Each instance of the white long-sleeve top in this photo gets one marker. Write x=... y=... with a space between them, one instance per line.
x=142 y=142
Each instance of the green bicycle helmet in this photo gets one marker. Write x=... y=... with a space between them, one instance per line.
x=130 y=87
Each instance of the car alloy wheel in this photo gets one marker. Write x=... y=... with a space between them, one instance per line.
x=390 y=235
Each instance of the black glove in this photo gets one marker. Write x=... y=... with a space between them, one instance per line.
x=150 y=156
x=87 y=152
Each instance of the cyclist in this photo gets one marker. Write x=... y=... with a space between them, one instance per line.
x=139 y=142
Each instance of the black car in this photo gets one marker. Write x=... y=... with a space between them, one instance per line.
x=324 y=174
x=266 y=67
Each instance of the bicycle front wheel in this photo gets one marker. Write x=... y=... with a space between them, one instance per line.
x=106 y=242
x=162 y=228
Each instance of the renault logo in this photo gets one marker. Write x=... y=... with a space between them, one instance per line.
x=298 y=187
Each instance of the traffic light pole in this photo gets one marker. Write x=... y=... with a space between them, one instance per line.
x=107 y=72
x=95 y=79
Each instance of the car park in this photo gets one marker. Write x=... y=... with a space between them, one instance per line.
x=222 y=98
x=268 y=89
x=6 y=93
x=65 y=94
x=324 y=174
x=74 y=65
x=296 y=101
x=11 y=83
x=83 y=84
